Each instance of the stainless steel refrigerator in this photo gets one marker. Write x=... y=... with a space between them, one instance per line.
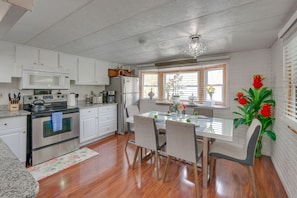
x=127 y=93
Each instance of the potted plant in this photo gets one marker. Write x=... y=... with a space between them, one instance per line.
x=175 y=85
x=210 y=90
x=256 y=102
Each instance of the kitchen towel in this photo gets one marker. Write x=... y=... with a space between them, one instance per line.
x=57 y=121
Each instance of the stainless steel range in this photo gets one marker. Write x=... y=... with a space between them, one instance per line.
x=44 y=143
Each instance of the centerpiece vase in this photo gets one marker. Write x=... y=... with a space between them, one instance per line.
x=175 y=99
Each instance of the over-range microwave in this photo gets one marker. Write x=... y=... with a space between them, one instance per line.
x=41 y=77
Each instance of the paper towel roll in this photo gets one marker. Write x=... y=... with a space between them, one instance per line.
x=71 y=99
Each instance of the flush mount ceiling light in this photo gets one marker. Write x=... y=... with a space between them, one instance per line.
x=196 y=48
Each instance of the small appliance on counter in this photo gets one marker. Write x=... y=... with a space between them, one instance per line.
x=111 y=97
x=97 y=99
x=105 y=96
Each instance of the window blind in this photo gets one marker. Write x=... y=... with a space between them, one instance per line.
x=290 y=75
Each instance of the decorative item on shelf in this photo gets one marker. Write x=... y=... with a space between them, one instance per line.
x=210 y=90
x=151 y=94
x=196 y=47
x=257 y=103
x=120 y=72
x=174 y=84
x=192 y=98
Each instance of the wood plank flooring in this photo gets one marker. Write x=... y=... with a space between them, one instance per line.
x=109 y=175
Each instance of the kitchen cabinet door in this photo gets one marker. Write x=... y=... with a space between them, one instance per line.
x=48 y=58
x=88 y=124
x=13 y=133
x=7 y=59
x=26 y=55
x=102 y=73
x=69 y=62
x=86 y=71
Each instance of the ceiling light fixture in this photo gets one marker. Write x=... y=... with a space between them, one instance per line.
x=196 y=48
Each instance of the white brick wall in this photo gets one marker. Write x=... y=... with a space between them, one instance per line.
x=284 y=149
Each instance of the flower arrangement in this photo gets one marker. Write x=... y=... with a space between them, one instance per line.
x=210 y=90
x=256 y=102
x=174 y=84
x=178 y=107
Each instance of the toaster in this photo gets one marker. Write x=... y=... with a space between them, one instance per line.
x=97 y=99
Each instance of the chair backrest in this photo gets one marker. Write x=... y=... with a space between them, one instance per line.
x=132 y=110
x=251 y=140
x=146 y=134
x=181 y=140
x=203 y=111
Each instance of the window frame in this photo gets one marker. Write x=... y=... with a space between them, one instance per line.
x=201 y=80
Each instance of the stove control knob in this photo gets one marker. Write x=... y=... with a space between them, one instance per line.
x=35 y=97
x=29 y=98
x=58 y=96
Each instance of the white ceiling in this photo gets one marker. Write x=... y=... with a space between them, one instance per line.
x=147 y=31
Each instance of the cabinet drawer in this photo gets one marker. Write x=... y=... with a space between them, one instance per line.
x=108 y=109
x=12 y=123
x=88 y=112
x=104 y=118
x=108 y=126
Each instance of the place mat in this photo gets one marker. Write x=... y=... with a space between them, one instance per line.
x=55 y=165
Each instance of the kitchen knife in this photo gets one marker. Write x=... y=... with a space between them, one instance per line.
x=9 y=97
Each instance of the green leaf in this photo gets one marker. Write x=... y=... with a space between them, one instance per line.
x=236 y=113
x=271 y=134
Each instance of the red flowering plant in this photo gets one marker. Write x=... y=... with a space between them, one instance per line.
x=256 y=102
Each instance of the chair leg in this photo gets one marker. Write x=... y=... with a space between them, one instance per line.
x=157 y=163
x=127 y=141
x=166 y=168
x=212 y=167
x=196 y=179
x=135 y=156
x=252 y=180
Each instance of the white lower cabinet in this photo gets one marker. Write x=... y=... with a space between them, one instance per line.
x=107 y=119
x=97 y=122
x=13 y=131
x=88 y=124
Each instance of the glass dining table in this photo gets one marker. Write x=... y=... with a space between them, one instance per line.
x=217 y=128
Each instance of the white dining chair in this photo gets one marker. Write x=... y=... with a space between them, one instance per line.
x=181 y=143
x=241 y=153
x=203 y=111
x=130 y=112
x=147 y=136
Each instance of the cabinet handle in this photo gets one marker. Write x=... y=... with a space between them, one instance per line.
x=5 y=124
x=24 y=131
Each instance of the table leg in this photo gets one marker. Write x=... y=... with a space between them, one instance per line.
x=205 y=162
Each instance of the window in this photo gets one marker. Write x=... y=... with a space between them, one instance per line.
x=290 y=76
x=150 y=82
x=215 y=78
x=193 y=82
x=189 y=82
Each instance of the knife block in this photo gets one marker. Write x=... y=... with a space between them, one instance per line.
x=13 y=107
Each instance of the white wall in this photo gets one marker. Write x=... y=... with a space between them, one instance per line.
x=284 y=149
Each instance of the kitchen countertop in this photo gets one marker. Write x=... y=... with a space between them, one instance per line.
x=7 y=114
x=15 y=180
x=84 y=105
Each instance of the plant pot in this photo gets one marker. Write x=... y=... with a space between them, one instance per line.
x=175 y=99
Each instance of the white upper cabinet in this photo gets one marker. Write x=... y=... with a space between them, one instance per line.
x=48 y=58
x=29 y=56
x=69 y=62
x=26 y=55
x=6 y=61
x=86 y=71
x=102 y=73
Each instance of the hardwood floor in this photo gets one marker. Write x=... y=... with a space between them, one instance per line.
x=109 y=175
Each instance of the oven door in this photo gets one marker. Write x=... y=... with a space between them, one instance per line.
x=43 y=134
